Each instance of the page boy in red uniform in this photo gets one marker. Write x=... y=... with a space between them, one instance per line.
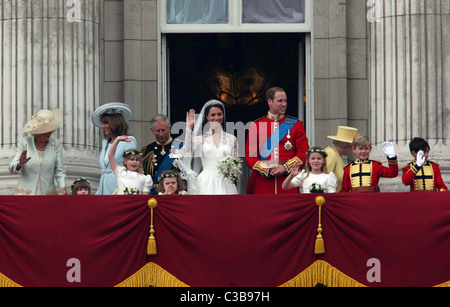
x=363 y=175
x=422 y=174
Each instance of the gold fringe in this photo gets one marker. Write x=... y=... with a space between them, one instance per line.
x=445 y=284
x=320 y=272
x=152 y=275
x=6 y=282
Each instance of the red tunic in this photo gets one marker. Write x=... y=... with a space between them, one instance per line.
x=291 y=150
x=367 y=173
x=425 y=178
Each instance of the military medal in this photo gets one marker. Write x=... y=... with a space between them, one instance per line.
x=154 y=160
x=288 y=145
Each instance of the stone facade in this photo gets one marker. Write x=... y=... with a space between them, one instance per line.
x=387 y=76
x=409 y=96
x=50 y=56
x=340 y=67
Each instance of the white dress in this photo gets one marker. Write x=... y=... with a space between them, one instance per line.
x=134 y=180
x=209 y=181
x=327 y=181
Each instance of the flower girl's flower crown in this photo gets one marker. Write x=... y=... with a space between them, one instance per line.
x=79 y=180
x=317 y=150
x=168 y=175
x=131 y=153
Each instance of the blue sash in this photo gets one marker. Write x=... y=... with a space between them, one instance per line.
x=167 y=163
x=276 y=137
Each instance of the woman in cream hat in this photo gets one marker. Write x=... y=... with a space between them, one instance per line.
x=38 y=158
x=112 y=118
x=342 y=145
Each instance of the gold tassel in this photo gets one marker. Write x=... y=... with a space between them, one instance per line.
x=151 y=246
x=319 y=247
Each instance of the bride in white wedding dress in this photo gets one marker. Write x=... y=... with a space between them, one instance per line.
x=206 y=143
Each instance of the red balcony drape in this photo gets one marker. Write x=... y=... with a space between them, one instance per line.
x=231 y=241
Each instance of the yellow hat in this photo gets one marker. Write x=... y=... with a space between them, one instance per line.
x=44 y=121
x=345 y=134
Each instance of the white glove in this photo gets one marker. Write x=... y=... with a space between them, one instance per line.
x=388 y=149
x=420 y=159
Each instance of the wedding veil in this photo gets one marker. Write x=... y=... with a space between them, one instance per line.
x=190 y=163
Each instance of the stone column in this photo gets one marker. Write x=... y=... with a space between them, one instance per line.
x=330 y=69
x=409 y=62
x=49 y=58
x=131 y=62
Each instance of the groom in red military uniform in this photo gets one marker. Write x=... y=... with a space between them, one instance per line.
x=275 y=143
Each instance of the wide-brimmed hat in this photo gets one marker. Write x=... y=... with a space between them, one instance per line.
x=44 y=121
x=111 y=108
x=345 y=134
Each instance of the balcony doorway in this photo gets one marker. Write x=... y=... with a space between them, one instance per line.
x=236 y=69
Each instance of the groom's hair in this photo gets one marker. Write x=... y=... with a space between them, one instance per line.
x=270 y=93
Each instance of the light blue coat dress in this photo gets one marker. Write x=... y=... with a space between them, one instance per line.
x=51 y=173
x=108 y=183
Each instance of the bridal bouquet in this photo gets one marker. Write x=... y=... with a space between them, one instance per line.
x=230 y=168
x=316 y=188
x=131 y=191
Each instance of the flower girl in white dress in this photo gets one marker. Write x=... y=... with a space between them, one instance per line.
x=314 y=178
x=129 y=179
x=170 y=183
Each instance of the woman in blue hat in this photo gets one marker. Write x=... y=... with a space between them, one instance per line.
x=113 y=119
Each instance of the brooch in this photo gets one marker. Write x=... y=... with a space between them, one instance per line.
x=288 y=145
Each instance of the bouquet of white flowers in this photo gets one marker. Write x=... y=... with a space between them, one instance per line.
x=316 y=188
x=230 y=168
x=131 y=191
